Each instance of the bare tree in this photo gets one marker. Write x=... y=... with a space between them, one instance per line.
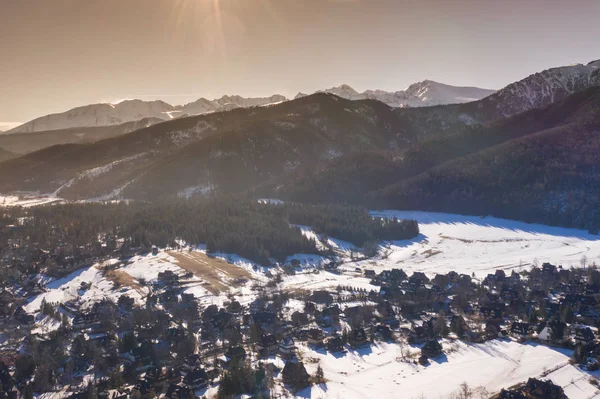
x=465 y=392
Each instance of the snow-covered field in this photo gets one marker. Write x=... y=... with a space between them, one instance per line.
x=447 y=242
x=471 y=244
x=575 y=382
x=28 y=200
x=377 y=371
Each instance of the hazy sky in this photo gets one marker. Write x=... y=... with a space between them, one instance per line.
x=58 y=54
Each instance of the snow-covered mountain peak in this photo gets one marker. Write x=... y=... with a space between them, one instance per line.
x=594 y=63
x=543 y=88
x=420 y=94
x=344 y=91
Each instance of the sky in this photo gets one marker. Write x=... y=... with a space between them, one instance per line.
x=58 y=54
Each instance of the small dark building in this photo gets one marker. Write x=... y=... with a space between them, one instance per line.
x=321 y=297
x=295 y=375
x=584 y=335
x=315 y=336
x=267 y=344
x=520 y=330
x=384 y=332
x=179 y=392
x=196 y=378
x=534 y=389
x=357 y=337
x=235 y=353
x=287 y=347
x=432 y=348
x=335 y=344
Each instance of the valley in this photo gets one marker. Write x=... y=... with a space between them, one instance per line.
x=446 y=244
x=434 y=242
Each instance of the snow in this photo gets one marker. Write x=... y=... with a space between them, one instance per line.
x=377 y=370
x=421 y=94
x=447 y=242
x=307 y=260
x=575 y=383
x=28 y=199
x=189 y=192
x=270 y=201
x=149 y=266
x=543 y=88
x=97 y=172
x=471 y=244
x=68 y=289
x=325 y=280
x=103 y=114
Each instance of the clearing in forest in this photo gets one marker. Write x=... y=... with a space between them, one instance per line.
x=121 y=278
x=216 y=272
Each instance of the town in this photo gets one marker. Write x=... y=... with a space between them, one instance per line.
x=153 y=338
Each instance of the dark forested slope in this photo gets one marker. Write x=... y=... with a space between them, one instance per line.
x=543 y=165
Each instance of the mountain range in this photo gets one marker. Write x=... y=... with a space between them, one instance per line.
x=529 y=151
x=421 y=94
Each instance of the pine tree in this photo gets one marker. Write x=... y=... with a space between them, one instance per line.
x=319 y=375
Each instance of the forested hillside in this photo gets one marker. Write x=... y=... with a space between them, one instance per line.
x=4 y=154
x=260 y=232
x=23 y=143
x=538 y=166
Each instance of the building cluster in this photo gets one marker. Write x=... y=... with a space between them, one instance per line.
x=172 y=345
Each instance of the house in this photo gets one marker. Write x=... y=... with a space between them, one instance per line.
x=169 y=296
x=315 y=336
x=335 y=344
x=187 y=297
x=321 y=297
x=295 y=375
x=384 y=332
x=520 y=329
x=545 y=334
x=168 y=277
x=432 y=348
x=418 y=279
x=534 y=389
x=175 y=334
x=176 y=391
x=354 y=314
x=235 y=353
x=267 y=344
x=369 y=273
x=262 y=318
x=584 y=335
x=196 y=379
x=357 y=337
x=287 y=347
x=552 y=308
x=299 y=319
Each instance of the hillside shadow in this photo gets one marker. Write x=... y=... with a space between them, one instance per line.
x=443 y=358
x=70 y=277
x=425 y=218
x=563 y=351
x=407 y=243
x=307 y=393
x=362 y=350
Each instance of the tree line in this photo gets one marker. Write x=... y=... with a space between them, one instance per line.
x=258 y=231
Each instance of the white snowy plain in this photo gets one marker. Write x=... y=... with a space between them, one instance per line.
x=472 y=244
x=377 y=370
